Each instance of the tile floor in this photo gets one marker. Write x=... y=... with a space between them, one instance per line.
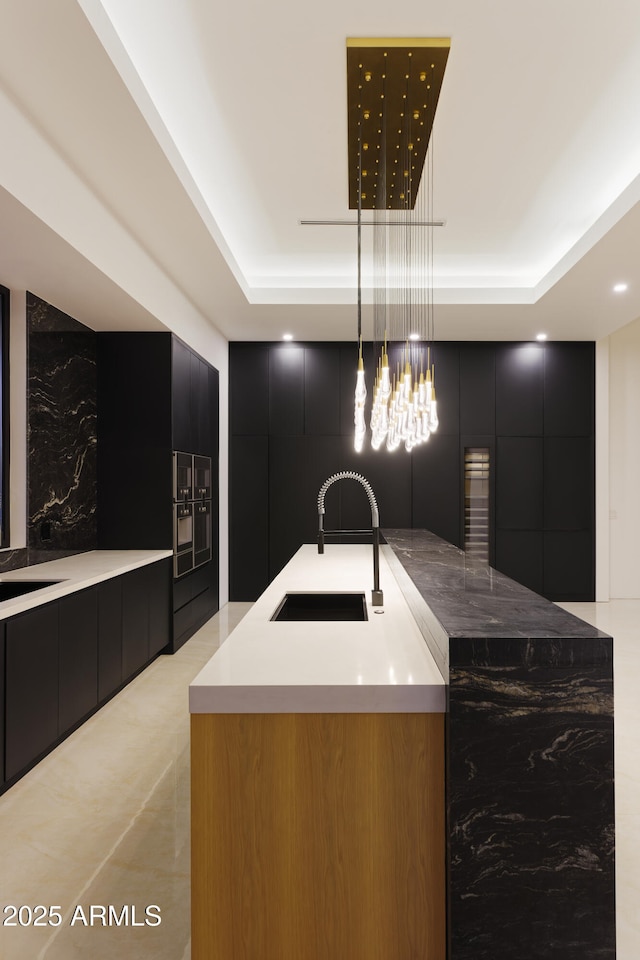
x=104 y=820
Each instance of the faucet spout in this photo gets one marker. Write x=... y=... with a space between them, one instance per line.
x=376 y=593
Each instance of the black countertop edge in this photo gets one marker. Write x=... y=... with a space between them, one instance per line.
x=477 y=606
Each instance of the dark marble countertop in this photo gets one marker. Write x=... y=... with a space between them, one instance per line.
x=473 y=601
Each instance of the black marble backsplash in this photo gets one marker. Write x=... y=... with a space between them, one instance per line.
x=61 y=437
x=62 y=399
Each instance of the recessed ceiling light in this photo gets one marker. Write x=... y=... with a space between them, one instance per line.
x=620 y=287
x=287 y=336
x=541 y=336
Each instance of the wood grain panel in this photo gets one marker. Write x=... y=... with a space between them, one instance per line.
x=318 y=836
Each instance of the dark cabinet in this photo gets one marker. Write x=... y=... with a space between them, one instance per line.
x=286 y=390
x=32 y=652
x=135 y=622
x=192 y=403
x=181 y=396
x=195 y=599
x=519 y=389
x=78 y=633
x=178 y=393
x=60 y=660
x=519 y=483
x=110 y=674
x=477 y=389
x=146 y=615
x=158 y=586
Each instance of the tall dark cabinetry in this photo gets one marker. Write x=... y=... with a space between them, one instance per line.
x=530 y=405
x=155 y=395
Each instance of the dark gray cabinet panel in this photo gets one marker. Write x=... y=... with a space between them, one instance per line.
x=195 y=599
x=390 y=477
x=519 y=484
x=134 y=390
x=519 y=389
x=436 y=487
x=181 y=396
x=31 y=686
x=519 y=555
x=286 y=390
x=59 y=660
x=78 y=627
x=158 y=583
x=568 y=565
x=446 y=357
x=569 y=395
x=568 y=483
x=297 y=468
x=110 y=674
x=322 y=391
x=135 y=622
x=249 y=504
x=134 y=441
x=248 y=405
x=477 y=389
x=202 y=406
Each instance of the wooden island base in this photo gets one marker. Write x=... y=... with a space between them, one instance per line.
x=318 y=836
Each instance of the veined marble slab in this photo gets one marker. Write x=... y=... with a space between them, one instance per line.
x=530 y=759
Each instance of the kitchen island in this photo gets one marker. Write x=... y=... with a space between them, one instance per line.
x=318 y=816
x=319 y=753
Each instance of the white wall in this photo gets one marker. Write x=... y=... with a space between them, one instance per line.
x=18 y=419
x=624 y=461
x=602 y=494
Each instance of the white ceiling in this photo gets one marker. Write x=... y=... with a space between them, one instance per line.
x=158 y=157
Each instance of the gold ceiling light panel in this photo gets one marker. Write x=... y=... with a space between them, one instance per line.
x=393 y=88
x=392 y=93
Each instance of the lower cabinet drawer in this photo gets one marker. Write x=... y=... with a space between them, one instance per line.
x=183 y=620
x=201 y=606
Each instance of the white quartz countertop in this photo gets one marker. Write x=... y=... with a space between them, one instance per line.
x=74 y=573
x=381 y=665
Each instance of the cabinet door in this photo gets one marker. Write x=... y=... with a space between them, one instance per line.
x=181 y=396
x=31 y=686
x=159 y=592
x=78 y=657
x=200 y=413
x=109 y=637
x=135 y=622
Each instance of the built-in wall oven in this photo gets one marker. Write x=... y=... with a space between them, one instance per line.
x=191 y=512
x=202 y=478
x=182 y=538
x=182 y=477
x=201 y=532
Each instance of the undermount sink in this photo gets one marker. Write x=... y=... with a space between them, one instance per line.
x=321 y=606
x=17 y=588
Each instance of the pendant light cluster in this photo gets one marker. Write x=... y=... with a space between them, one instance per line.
x=393 y=88
x=404 y=408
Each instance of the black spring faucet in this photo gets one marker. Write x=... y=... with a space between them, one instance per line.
x=376 y=593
